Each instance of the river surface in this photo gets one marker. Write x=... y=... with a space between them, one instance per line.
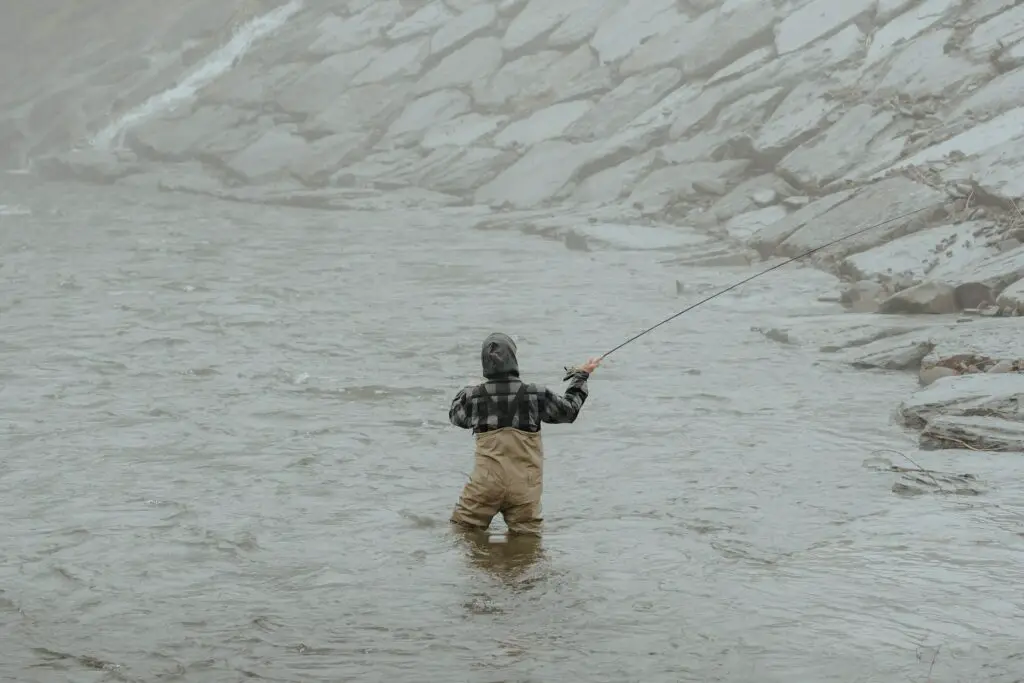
x=226 y=457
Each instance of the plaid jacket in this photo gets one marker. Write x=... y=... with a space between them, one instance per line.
x=510 y=402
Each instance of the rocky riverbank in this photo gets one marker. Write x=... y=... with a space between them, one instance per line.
x=777 y=125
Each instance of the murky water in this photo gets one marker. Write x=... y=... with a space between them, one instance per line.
x=226 y=456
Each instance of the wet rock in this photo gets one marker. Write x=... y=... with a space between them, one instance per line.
x=1005 y=28
x=901 y=353
x=669 y=46
x=536 y=19
x=462 y=131
x=441 y=105
x=1012 y=297
x=733 y=34
x=924 y=69
x=403 y=60
x=934 y=252
x=666 y=186
x=872 y=204
x=769 y=240
x=743 y=226
x=864 y=296
x=906 y=27
x=359 y=107
x=995 y=273
x=997 y=134
x=624 y=30
x=425 y=20
x=467 y=25
x=617 y=108
x=802 y=114
x=838 y=150
x=269 y=156
x=544 y=124
x=815 y=20
x=991 y=401
x=927 y=297
x=973 y=432
x=999 y=171
x=341 y=34
x=929 y=375
x=538 y=176
x=515 y=80
x=317 y=87
x=981 y=342
x=478 y=59
x=613 y=184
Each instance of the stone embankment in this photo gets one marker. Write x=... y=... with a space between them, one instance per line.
x=779 y=125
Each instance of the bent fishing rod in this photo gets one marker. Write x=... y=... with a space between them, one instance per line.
x=757 y=275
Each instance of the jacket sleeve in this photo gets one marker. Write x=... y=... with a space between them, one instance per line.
x=458 y=413
x=565 y=409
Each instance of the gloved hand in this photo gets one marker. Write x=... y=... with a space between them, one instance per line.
x=587 y=367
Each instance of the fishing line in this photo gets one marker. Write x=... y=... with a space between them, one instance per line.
x=757 y=275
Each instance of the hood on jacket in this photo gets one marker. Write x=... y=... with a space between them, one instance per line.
x=498 y=356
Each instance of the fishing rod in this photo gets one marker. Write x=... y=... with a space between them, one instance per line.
x=754 y=277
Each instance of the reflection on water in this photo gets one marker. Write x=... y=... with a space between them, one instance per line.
x=508 y=558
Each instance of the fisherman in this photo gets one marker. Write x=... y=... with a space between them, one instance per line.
x=505 y=415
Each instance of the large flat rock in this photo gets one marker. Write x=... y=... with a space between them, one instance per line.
x=817 y=19
x=1002 y=93
x=538 y=18
x=669 y=46
x=538 y=176
x=974 y=432
x=768 y=240
x=342 y=34
x=800 y=116
x=425 y=20
x=996 y=272
x=514 y=80
x=992 y=35
x=543 y=124
x=906 y=27
x=480 y=58
x=996 y=133
x=421 y=114
x=663 y=188
x=924 y=69
x=615 y=183
x=998 y=171
x=620 y=106
x=626 y=29
x=842 y=147
x=360 y=107
x=176 y=138
x=995 y=339
x=456 y=32
x=884 y=202
x=735 y=32
x=315 y=88
x=401 y=61
x=991 y=396
x=934 y=252
x=581 y=25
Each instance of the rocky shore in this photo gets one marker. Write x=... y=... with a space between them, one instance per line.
x=773 y=125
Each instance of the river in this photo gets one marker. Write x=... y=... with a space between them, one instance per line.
x=226 y=457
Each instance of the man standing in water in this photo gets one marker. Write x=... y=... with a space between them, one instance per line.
x=505 y=415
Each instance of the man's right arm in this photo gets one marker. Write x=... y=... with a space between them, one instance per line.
x=458 y=413
x=565 y=409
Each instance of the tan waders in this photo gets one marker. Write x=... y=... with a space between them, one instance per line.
x=507 y=478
